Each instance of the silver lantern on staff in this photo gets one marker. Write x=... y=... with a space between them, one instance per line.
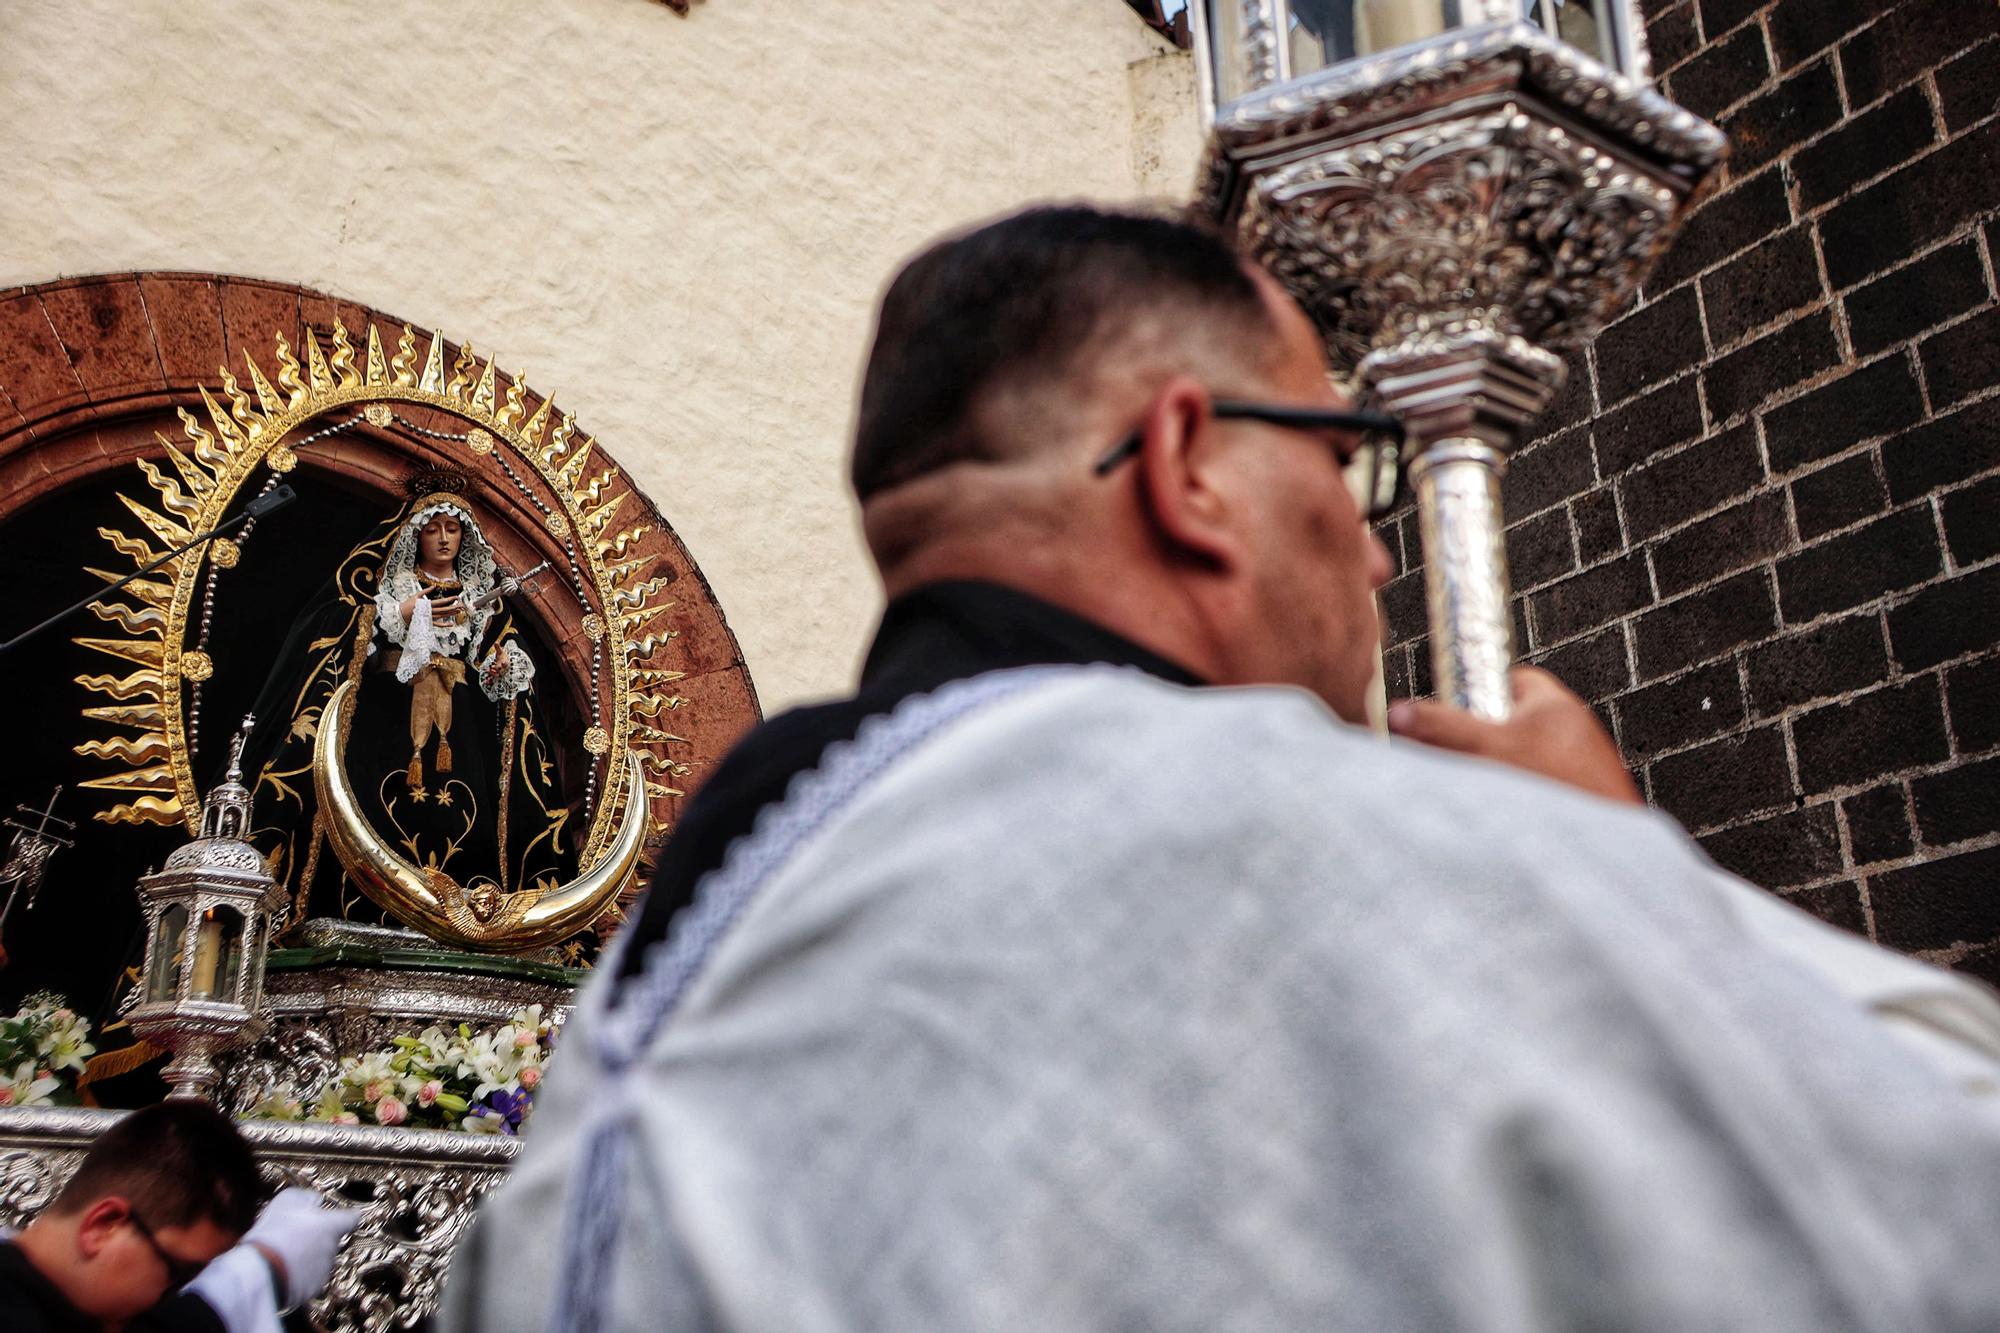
x=209 y=913
x=1454 y=190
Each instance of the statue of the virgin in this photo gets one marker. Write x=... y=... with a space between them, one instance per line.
x=446 y=751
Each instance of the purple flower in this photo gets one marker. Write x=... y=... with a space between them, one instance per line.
x=511 y=1107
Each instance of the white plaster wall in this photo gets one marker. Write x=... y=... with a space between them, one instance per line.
x=676 y=226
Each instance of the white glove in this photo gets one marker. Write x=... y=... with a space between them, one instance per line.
x=305 y=1235
x=237 y=1286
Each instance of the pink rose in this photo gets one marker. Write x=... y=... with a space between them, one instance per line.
x=347 y=1118
x=63 y=1015
x=372 y=1093
x=427 y=1095
x=41 y=1074
x=530 y=1077
x=523 y=1040
x=6 y=1095
x=389 y=1111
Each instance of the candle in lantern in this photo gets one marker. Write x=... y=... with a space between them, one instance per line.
x=1388 y=23
x=207 y=952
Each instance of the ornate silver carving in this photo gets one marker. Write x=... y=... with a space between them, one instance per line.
x=216 y=854
x=28 y=1180
x=1444 y=211
x=1401 y=85
x=1492 y=219
x=417 y=1190
x=320 y=1014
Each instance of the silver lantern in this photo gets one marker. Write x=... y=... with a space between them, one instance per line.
x=209 y=913
x=1454 y=190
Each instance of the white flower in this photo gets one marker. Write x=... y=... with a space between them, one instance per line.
x=494 y=1060
x=64 y=1038
x=27 y=1088
x=360 y=1071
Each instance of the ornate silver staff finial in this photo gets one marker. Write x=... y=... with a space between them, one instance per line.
x=236 y=744
x=28 y=855
x=1454 y=192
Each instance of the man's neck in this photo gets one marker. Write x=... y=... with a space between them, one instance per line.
x=48 y=1245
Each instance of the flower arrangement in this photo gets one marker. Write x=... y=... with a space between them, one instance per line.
x=480 y=1081
x=42 y=1050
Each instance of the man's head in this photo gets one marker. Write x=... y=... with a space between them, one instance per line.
x=158 y=1195
x=1008 y=359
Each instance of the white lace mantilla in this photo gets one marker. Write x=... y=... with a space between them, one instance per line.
x=507 y=670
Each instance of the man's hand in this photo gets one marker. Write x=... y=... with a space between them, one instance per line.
x=1551 y=732
x=299 y=1237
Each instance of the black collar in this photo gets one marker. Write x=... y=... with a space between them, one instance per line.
x=948 y=631
x=928 y=637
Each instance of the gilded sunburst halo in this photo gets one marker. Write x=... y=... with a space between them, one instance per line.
x=199 y=480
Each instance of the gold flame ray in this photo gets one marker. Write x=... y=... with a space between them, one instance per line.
x=223 y=449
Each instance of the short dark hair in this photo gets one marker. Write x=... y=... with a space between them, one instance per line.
x=177 y=1163
x=1018 y=298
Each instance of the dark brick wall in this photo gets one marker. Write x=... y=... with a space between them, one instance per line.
x=1758 y=531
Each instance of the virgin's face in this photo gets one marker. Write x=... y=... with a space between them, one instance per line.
x=437 y=543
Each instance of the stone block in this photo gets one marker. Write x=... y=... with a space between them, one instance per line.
x=1585 y=601
x=1870 y=736
x=1831 y=658
x=1793 y=848
x=1754 y=374
x=1959 y=804
x=1838 y=496
x=1863 y=404
x=1669 y=491
x=1724 y=780
x=1952 y=618
x=1743 y=534
x=1863 y=148
x=1675 y=713
x=1761 y=286
x=1952 y=900
x=1878 y=824
x=1942 y=285
x=1704 y=625
x=1899 y=550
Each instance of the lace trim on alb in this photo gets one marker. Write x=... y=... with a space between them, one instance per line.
x=635 y=1014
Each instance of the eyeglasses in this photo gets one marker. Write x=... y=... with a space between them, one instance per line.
x=1373 y=470
x=180 y=1271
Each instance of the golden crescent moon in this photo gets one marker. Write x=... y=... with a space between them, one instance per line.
x=437 y=904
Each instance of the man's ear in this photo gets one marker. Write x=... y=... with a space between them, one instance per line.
x=1176 y=476
x=99 y=1221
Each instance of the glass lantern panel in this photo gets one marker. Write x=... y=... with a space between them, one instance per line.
x=164 y=958
x=1225 y=38
x=1584 y=24
x=1325 y=32
x=218 y=948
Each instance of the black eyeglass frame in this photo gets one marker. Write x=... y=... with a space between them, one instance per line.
x=1380 y=499
x=180 y=1272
